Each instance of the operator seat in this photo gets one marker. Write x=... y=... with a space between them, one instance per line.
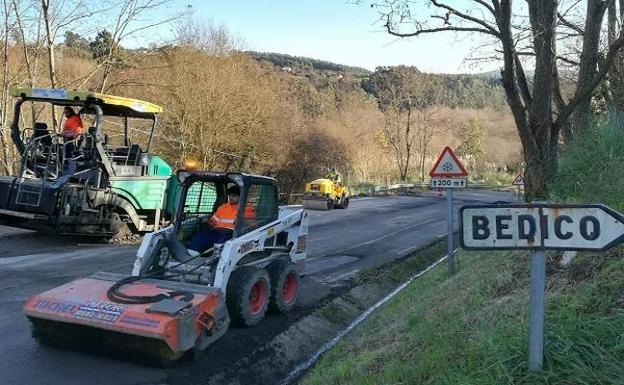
x=41 y=132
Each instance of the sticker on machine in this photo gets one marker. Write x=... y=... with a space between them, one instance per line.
x=100 y=311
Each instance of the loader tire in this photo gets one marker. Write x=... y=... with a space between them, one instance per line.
x=248 y=295
x=284 y=286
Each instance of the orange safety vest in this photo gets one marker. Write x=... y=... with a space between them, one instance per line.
x=73 y=127
x=225 y=216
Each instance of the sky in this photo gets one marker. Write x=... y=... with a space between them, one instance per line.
x=334 y=30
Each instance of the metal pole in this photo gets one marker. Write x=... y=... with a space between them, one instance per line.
x=536 y=309
x=449 y=221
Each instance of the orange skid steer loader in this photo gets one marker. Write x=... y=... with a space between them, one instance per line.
x=177 y=300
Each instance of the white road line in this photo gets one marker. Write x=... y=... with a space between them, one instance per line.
x=385 y=236
x=341 y=276
x=372 y=240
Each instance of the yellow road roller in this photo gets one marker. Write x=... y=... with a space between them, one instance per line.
x=326 y=193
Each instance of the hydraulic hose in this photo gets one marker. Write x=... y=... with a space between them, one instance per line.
x=116 y=295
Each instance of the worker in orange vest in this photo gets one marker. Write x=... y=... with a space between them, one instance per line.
x=220 y=224
x=73 y=124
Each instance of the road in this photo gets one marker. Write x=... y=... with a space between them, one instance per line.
x=372 y=231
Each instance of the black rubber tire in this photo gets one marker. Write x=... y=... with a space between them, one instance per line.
x=122 y=231
x=330 y=204
x=279 y=271
x=238 y=300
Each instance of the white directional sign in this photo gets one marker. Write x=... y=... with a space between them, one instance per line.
x=448 y=166
x=540 y=227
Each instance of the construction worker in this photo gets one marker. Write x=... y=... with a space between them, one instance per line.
x=220 y=224
x=334 y=176
x=73 y=127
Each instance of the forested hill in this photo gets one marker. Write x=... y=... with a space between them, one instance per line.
x=460 y=90
x=306 y=64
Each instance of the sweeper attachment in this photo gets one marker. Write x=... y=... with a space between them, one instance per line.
x=179 y=300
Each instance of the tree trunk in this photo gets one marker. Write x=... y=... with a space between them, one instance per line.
x=540 y=153
x=589 y=62
x=29 y=67
x=616 y=73
x=45 y=6
x=5 y=90
x=408 y=145
x=541 y=168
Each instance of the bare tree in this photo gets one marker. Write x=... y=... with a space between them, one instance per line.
x=45 y=8
x=128 y=13
x=31 y=61
x=540 y=111
x=429 y=123
x=408 y=99
x=6 y=159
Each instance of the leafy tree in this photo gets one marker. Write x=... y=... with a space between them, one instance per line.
x=77 y=45
x=471 y=140
x=74 y=40
x=101 y=45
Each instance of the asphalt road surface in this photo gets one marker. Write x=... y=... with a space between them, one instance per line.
x=370 y=232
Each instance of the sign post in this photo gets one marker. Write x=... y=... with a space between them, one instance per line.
x=449 y=231
x=448 y=173
x=519 y=182
x=537 y=296
x=539 y=227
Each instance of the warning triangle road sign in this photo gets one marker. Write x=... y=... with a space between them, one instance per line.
x=448 y=165
x=519 y=181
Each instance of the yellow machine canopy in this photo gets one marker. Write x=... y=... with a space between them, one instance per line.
x=111 y=105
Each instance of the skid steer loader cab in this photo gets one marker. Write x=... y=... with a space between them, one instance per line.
x=203 y=192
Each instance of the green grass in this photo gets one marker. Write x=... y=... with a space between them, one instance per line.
x=492 y=178
x=472 y=328
x=591 y=169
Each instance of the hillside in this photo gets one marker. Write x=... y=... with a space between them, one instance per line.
x=267 y=112
x=472 y=328
x=306 y=65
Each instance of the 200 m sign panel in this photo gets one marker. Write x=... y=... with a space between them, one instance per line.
x=543 y=226
x=448 y=182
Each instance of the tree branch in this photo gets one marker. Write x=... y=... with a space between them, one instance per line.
x=559 y=57
x=582 y=94
x=465 y=16
x=522 y=81
x=487 y=6
x=390 y=31
x=570 y=25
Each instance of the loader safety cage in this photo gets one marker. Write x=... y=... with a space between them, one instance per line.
x=86 y=184
x=109 y=105
x=258 y=193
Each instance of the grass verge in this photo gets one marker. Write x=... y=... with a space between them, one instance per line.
x=472 y=328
